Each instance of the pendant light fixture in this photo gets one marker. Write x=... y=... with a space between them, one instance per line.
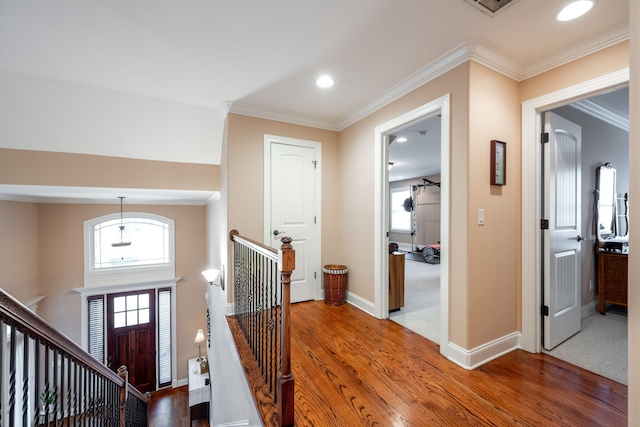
x=121 y=239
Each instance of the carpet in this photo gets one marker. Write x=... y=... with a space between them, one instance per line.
x=601 y=347
x=421 y=311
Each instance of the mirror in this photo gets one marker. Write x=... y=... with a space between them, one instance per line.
x=606 y=202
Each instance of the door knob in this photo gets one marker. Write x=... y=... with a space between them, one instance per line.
x=276 y=232
x=579 y=238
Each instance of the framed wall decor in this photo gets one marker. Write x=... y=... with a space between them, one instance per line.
x=498 y=162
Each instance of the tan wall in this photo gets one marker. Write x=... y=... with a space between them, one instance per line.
x=27 y=167
x=356 y=205
x=62 y=268
x=493 y=248
x=19 y=257
x=246 y=177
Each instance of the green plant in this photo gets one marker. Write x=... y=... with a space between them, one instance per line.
x=48 y=397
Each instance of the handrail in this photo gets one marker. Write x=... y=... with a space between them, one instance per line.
x=31 y=322
x=262 y=305
x=46 y=368
x=265 y=250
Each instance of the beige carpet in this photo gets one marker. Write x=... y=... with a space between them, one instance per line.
x=421 y=311
x=601 y=347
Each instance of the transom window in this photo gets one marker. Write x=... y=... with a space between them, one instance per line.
x=109 y=259
x=130 y=310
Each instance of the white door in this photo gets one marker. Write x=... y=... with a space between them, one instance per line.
x=562 y=242
x=293 y=212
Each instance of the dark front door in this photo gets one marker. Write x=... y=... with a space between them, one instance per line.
x=131 y=336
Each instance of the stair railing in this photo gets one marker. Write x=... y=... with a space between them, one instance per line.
x=47 y=379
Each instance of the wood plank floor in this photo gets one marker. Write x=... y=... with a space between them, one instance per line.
x=170 y=408
x=352 y=369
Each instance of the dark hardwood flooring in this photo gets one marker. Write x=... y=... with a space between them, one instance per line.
x=352 y=369
x=170 y=408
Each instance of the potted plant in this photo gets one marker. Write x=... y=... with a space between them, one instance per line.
x=47 y=399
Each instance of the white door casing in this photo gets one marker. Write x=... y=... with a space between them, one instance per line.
x=562 y=247
x=292 y=207
x=531 y=271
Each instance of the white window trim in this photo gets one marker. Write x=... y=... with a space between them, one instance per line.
x=398 y=230
x=131 y=287
x=123 y=275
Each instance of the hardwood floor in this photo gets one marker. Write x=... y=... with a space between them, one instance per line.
x=170 y=408
x=351 y=369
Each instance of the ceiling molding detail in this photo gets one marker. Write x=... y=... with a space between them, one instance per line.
x=281 y=116
x=603 y=114
x=475 y=50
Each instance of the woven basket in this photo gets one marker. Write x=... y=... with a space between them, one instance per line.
x=335 y=284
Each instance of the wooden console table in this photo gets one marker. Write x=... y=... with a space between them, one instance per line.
x=199 y=391
x=612 y=278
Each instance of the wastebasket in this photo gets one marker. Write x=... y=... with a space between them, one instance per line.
x=335 y=284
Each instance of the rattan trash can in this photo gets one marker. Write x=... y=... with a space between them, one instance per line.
x=335 y=284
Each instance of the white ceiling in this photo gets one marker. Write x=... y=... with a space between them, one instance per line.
x=263 y=57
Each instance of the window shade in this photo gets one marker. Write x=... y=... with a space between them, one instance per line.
x=164 y=337
x=96 y=327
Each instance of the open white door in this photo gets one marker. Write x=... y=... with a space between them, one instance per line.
x=562 y=241
x=291 y=177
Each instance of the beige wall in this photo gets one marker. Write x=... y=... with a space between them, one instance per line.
x=19 y=256
x=246 y=177
x=494 y=248
x=26 y=167
x=62 y=269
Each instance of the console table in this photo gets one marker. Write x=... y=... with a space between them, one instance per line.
x=199 y=391
x=396 y=281
x=612 y=278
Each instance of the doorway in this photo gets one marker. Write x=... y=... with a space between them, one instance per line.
x=440 y=106
x=414 y=234
x=531 y=196
x=131 y=326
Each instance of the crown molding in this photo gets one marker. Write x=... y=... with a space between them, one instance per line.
x=281 y=116
x=474 y=50
x=603 y=114
x=599 y=41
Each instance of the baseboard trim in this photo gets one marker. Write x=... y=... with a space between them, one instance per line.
x=589 y=309
x=361 y=303
x=228 y=309
x=406 y=247
x=471 y=359
x=233 y=424
x=182 y=382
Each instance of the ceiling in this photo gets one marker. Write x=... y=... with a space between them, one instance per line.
x=262 y=58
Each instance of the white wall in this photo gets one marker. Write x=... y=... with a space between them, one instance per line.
x=47 y=115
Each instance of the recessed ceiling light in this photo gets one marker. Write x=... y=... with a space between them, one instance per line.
x=324 y=81
x=574 y=10
x=402 y=139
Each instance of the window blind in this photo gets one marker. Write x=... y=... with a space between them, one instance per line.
x=95 y=306
x=164 y=337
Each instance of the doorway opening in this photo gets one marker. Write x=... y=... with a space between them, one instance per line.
x=438 y=109
x=532 y=241
x=414 y=230
x=599 y=340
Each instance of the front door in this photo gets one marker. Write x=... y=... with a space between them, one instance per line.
x=131 y=336
x=562 y=241
x=292 y=211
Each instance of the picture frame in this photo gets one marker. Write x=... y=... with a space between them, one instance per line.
x=498 y=162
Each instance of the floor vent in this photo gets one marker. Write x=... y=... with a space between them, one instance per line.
x=490 y=7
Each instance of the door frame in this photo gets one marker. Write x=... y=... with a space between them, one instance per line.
x=531 y=278
x=381 y=209
x=317 y=147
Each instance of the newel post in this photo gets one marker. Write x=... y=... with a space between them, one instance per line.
x=124 y=393
x=287 y=263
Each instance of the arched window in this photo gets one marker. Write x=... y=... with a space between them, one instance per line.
x=137 y=248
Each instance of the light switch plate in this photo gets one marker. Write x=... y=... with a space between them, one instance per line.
x=480 y=216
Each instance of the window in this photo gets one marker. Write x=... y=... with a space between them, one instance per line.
x=400 y=218
x=164 y=337
x=130 y=310
x=96 y=330
x=149 y=257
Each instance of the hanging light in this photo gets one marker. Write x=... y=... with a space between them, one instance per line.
x=122 y=239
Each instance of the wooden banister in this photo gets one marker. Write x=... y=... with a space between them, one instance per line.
x=263 y=312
